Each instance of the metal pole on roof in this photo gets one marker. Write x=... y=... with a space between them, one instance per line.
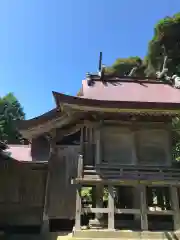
x=100 y=62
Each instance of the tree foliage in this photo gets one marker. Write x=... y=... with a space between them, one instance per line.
x=166 y=41
x=123 y=66
x=10 y=110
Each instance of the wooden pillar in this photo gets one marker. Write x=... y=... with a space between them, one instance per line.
x=78 y=187
x=53 y=152
x=78 y=208
x=143 y=206
x=99 y=187
x=136 y=200
x=98 y=146
x=45 y=226
x=99 y=200
x=175 y=207
x=111 y=207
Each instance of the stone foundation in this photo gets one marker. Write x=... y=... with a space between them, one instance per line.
x=107 y=234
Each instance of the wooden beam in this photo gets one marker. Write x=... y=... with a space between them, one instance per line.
x=106 y=210
x=143 y=203
x=110 y=207
x=127 y=211
x=78 y=208
x=175 y=207
x=161 y=212
x=94 y=179
x=95 y=210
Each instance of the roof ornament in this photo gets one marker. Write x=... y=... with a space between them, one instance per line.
x=174 y=79
x=90 y=81
x=163 y=73
x=101 y=67
x=135 y=69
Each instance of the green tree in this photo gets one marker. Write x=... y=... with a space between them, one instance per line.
x=10 y=110
x=165 y=42
x=123 y=66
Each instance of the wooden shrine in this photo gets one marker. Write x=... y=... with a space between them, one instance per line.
x=114 y=139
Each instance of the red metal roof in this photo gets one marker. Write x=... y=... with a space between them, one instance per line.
x=122 y=93
x=132 y=91
x=20 y=153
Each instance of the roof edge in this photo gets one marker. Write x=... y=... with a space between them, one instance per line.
x=48 y=116
x=62 y=99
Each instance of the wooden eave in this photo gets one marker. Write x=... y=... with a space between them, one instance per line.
x=65 y=103
x=47 y=127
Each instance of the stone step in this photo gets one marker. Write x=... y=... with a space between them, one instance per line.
x=107 y=234
x=95 y=235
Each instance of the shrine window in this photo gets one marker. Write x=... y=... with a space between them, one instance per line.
x=152 y=147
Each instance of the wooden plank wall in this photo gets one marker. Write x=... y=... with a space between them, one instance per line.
x=62 y=192
x=128 y=145
x=21 y=193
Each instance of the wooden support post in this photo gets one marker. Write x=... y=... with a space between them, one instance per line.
x=99 y=200
x=78 y=208
x=98 y=146
x=93 y=196
x=175 y=207
x=111 y=207
x=98 y=194
x=53 y=153
x=143 y=202
x=136 y=200
x=45 y=226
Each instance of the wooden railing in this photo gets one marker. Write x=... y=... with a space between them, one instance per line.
x=106 y=171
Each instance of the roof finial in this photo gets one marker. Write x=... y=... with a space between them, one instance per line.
x=101 y=67
x=100 y=62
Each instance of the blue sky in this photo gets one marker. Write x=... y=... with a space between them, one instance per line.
x=49 y=45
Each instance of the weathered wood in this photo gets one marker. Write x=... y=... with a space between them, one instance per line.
x=78 y=208
x=98 y=146
x=161 y=212
x=96 y=179
x=22 y=188
x=151 y=147
x=127 y=211
x=143 y=207
x=53 y=152
x=80 y=166
x=62 y=193
x=116 y=171
x=175 y=207
x=110 y=207
x=99 y=199
x=95 y=210
x=117 y=145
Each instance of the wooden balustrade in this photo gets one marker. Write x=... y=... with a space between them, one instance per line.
x=158 y=173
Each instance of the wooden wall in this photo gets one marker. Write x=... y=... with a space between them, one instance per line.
x=22 y=190
x=63 y=168
x=148 y=145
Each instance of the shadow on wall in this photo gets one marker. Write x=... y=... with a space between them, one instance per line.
x=40 y=149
